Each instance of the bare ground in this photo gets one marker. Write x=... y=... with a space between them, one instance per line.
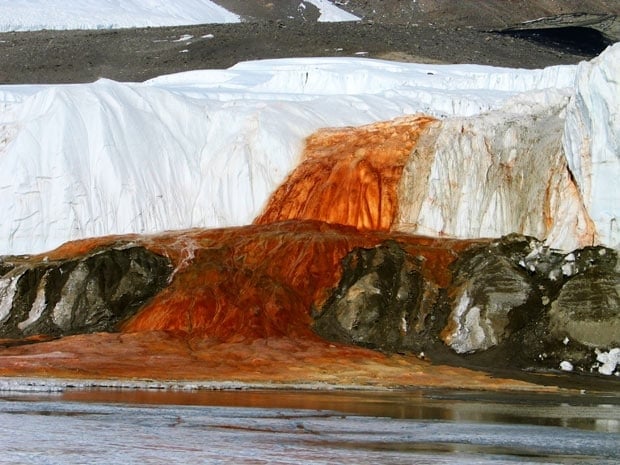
x=424 y=31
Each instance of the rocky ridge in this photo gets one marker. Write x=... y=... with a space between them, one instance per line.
x=512 y=301
x=83 y=294
x=509 y=302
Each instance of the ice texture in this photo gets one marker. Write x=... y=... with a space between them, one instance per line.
x=592 y=141
x=208 y=148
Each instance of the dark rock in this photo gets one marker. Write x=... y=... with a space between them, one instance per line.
x=512 y=303
x=588 y=309
x=536 y=308
x=490 y=296
x=584 y=318
x=383 y=301
x=91 y=293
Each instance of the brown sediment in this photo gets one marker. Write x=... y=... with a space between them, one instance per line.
x=349 y=176
x=161 y=356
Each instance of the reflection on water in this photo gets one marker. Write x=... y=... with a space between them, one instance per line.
x=597 y=413
x=431 y=427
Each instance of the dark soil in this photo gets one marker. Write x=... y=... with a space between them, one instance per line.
x=140 y=54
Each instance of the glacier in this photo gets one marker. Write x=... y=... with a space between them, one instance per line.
x=19 y=15
x=592 y=141
x=208 y=148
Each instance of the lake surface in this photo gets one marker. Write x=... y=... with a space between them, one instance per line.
x=313 y=427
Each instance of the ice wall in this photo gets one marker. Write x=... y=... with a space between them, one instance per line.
x=497 y=173
x=592 y=141
x=208 y=148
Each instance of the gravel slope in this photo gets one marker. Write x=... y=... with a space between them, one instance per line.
x=139 y=54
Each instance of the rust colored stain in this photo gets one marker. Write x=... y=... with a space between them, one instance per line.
x=264 y=280
x=238 y=308
x=165 y=357
x=348 y=176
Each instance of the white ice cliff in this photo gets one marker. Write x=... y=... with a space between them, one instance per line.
x=207 y=148
x=495 y=173
x=592 y=141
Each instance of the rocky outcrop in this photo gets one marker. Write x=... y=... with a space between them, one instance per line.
x=540 y=308
x=383 y=301
x=513 y=301
x=587 y=309
x=584 y=320
x=489 y=297
x=489 y=304
x=83 y=294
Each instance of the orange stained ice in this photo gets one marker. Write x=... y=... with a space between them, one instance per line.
x=349 y=175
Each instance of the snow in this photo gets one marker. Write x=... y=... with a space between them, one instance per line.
x=609 y=360
x=566 y=366
x=28 y=15
x=32 y=15
x=331 y=13
x=205 y=148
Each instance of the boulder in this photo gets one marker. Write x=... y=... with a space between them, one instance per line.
x=383 y=301
x=584 y=319
x=534 y=306
x=84 y=294
x=490 y=296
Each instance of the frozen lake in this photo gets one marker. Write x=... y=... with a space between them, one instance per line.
x=292 y=427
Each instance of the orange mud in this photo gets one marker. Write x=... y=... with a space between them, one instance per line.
x=276 y=361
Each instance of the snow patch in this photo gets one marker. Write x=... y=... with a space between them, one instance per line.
x=32 y=15
x=330 y=13
x=610 y=360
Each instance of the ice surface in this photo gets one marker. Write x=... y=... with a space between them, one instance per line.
x=75 y=432
x=592 y=141
x=206 y=148
x=28 y=15
x=331 y=13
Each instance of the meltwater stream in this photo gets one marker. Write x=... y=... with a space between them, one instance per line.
x=294 y=427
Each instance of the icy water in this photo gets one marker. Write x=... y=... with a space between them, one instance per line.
x=293 y=427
